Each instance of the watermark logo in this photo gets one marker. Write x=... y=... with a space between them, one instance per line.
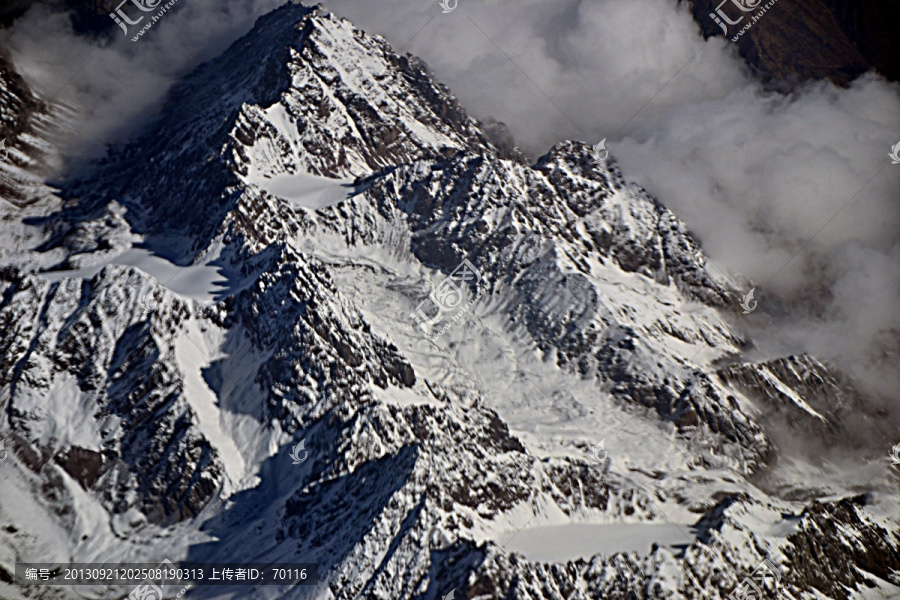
x=4 y=454
x=4 y=151
x=895 y=455
x=451 y=595
x=296 y=452
x=449 y=5
x=600 y=454
x=148 y=303
x=895 y=154
x=723 y=20
x=446 y=297
x=148 y=590
x=122 y=19
x=144 y=6
x=748 y=303
x=600 y=151
x=754 y=586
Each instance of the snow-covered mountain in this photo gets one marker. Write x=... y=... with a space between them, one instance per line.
x=262 y=266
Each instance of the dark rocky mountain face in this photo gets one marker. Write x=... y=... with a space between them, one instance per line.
x=813 y=39
x=23 y=121
x=89 y=17
x=242 y=276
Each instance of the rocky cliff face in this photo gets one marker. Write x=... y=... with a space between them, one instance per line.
x=105 y=403
x=797 y=389
x=26 y=124
x=252 y=273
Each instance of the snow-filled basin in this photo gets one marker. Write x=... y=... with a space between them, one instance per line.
x=562 y=543
x=307 y=191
